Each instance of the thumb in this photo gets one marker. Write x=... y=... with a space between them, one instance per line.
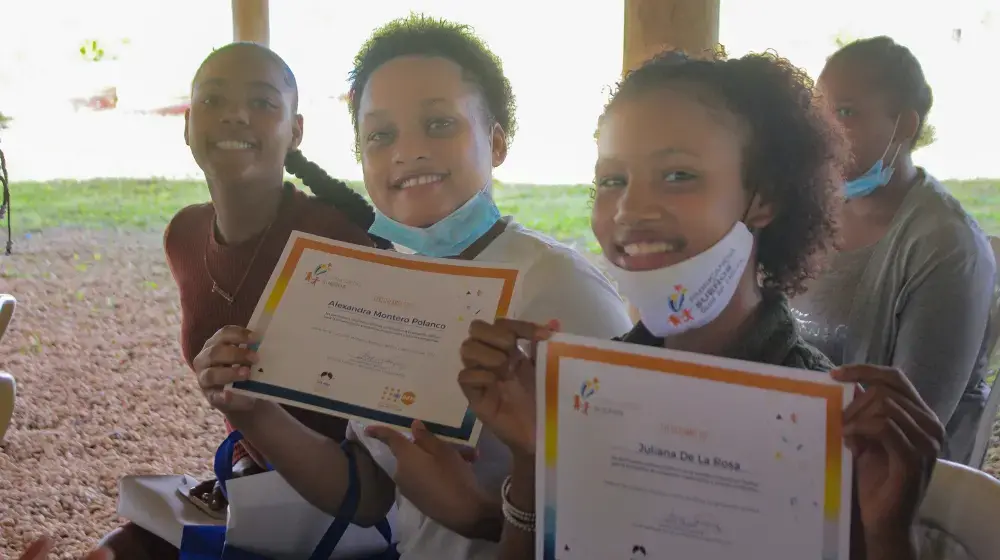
x=38 y=550
x=425 y=439
x=392 y=438
x=102 y=553
x=435 y=446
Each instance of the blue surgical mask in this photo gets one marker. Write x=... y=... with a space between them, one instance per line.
x=877 y=176
x=449 y=236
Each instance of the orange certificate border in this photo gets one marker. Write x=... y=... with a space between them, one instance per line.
x=558 y=350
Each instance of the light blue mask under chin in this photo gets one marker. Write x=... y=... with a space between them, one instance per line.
x=877 y=176
x=449 y=236
x=864 y=185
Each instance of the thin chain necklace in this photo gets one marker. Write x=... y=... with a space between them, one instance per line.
x=230 y=297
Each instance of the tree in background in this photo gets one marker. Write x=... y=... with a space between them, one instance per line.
x=4 y=121
x=94 y=51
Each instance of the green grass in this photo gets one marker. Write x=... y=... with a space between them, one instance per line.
x=562 y=211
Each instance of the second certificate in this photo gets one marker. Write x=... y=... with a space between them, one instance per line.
x=358 y=332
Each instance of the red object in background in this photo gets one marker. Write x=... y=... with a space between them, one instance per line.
x=103 y=101
x=171 y=110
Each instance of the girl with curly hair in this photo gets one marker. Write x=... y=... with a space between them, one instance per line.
x=723 y=177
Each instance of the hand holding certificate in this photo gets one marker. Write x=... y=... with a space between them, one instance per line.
x=687 y=456
x=363 y=333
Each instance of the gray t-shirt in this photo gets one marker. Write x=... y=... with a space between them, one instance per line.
x=823 y=315
x=921 y=303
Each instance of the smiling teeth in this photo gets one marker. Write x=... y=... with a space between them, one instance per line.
x=636 y=249
x=421 y=180
x=233 y=145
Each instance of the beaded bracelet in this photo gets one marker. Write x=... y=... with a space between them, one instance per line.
x=522 y=520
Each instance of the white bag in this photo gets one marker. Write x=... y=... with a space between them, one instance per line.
x=152 y=502
x=268 y=517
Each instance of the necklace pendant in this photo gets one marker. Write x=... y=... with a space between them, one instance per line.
x=225 y=295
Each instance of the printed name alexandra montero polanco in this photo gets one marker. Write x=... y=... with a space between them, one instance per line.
x=415 y=321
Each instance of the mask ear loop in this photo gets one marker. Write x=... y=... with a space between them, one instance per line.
x=892 y=139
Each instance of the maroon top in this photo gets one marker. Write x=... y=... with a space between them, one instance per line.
x=187 y=242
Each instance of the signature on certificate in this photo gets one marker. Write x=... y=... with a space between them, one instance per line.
x=369 y=360
x=701 y=523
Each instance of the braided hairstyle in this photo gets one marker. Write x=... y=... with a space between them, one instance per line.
x=794 y=152
x=894 y=71
x=334 y=191
x=426 y=36
x=327 y=189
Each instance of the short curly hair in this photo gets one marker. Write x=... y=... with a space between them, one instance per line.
x=794 y=157
x=895 y=71
x=422 y=35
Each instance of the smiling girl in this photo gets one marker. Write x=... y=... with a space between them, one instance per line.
x=434 y=115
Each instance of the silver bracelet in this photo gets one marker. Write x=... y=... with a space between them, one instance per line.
x=521 y=520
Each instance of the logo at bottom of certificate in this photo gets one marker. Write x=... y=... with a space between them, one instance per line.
x=394 y=398
x=324 y=382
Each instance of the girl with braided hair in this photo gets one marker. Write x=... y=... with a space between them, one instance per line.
x=244 y=130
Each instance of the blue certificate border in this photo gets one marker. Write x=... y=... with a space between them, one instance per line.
x=462 y=432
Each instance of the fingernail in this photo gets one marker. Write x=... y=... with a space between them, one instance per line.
x=253 y=356
x=418 y=426
x=553 y=324
x=244 y=372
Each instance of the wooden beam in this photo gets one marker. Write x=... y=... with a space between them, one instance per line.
x=655 y=25
x=251 y=21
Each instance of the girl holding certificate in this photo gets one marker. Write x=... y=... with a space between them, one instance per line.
x=705 y=167
x=434 y=114
x=244 y=130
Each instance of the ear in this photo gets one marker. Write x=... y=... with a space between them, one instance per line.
x=759 y=214
x=297 y=129
x=499 y=145
x=909 y=121
x=187 y=118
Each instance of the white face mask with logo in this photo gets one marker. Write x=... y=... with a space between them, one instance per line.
x=691 y=293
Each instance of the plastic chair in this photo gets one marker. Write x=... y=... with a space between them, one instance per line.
x=985 y=431
x=965 y=503
x=7 y=387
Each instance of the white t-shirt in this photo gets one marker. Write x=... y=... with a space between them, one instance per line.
x=556 y=283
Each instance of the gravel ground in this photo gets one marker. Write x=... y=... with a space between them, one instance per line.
x=102 y=390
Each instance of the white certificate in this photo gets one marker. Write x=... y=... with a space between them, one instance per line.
x=649 y=453
x=363 y=333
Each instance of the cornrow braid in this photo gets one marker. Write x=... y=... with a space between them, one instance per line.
x=334 y=192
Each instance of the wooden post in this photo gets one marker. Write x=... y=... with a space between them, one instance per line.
x=654 y=25
x=251 y=21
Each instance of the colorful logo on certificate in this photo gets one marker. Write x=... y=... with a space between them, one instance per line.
x=581 y=400
x=313 y=277
x=396 y=396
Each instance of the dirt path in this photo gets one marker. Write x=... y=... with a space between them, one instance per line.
x=102 y=391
